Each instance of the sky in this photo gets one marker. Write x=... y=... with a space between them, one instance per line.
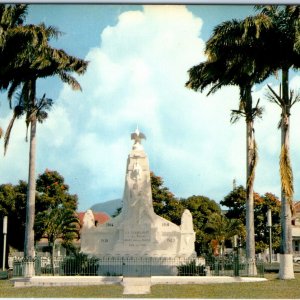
x=138 y=57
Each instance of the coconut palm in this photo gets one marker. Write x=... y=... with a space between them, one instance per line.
x=39 y=60
x=285 y=38
x=233 y=59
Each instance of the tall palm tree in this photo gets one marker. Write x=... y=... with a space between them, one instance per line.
x=233 y=60
x=285 y=38
x=38 y=61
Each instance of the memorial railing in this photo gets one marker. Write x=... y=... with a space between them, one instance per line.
x=138 y=266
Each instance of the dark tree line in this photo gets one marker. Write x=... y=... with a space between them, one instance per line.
x=54 y=215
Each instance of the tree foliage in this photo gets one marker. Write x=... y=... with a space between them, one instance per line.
x=13 y=205
x=236 y=203
x=201 y=208
x=164 y=202
x=56 y=208
x=52 y=194
x=222 y=229
x=53 y=191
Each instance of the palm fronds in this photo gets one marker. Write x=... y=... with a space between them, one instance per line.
x=18 y=112
x=286 y=175
x=253 y=163
x=255 y=112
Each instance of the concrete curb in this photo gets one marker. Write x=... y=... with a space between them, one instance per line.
x=66 y=280
x=132 y=285
x=201 y=279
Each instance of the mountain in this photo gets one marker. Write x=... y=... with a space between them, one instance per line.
x=108 y=207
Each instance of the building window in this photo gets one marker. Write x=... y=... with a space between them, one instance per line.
x=297 y=246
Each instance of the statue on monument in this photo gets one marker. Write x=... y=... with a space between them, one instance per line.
x=137 y=136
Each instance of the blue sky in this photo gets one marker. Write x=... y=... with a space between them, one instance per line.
x=139 y=57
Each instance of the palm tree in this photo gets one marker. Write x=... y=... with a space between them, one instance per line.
x=285 y=38
x=39 y=60
x=233 y=59
x=58 y=222
x=11 y=37
x=222 y=229
x=12 y=40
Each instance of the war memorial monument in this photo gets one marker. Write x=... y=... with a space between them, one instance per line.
x=138 y=248
x=138 y=231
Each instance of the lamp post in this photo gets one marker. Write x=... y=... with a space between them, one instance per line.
x=4 y=241
x=269 y=224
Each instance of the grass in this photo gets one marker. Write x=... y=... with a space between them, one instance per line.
x=273 y=288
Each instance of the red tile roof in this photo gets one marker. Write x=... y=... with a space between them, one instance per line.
x=100 y=217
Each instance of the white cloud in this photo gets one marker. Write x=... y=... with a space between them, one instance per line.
x=137 y=76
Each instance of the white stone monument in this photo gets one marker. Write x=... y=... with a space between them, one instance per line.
x=138 y=231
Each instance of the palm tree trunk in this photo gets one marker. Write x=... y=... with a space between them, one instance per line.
x=251 y=162
x=29 y=252
x=286 y=270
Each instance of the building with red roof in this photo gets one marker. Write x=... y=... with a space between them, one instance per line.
x=100 y=217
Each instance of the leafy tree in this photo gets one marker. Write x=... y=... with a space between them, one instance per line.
x=236 y=202
x=167 y=206
x=7 y=197
x=164 y=202
x=201 y=208
x=262 y=205
x=53 y=193
x=16 y=222
x=40 y=60
x=12 y=205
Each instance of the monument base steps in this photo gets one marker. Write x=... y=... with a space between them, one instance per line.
x=136 y=285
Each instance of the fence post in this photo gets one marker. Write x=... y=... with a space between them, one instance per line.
x=236 y=263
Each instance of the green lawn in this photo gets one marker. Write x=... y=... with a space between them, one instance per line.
x=273 y=288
